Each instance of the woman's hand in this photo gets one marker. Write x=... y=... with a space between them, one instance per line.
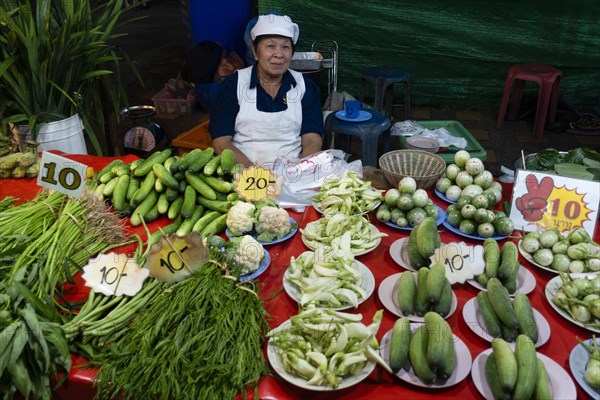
x=311 y=143
x=226 y=142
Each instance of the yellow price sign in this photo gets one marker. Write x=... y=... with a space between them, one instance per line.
x=256 y=183
x=566 y=209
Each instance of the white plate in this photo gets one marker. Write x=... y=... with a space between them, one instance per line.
x=262 y=267
x=578 y=359
x=387 y=294
x=316 y=207
x=275 y=361
x=561 y=384
x=282 y=239
x=529 y=258
x=398 y=252
x=525 y=282
x=461 y=370
x=474 y=321
x=552 y=288
x=441 y=217
x=368 y=283
x=374 y=231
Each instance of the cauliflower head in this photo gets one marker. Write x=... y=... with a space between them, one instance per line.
x=249 y=254
x=240 y=218
x=272 y=223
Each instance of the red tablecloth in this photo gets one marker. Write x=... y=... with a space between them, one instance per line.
x=379 y=385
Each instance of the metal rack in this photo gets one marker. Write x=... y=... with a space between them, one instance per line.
x=329 y=49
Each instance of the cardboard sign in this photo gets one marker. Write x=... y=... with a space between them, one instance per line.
x=61 y=174
x=114 y=275
x=175 y=258
x=257 y=183
x=462 y=262
x=542 y=201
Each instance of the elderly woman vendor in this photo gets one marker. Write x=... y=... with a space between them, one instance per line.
x=267 y=110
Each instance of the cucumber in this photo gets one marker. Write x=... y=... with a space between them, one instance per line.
x=159 y=186
x=108 y=168
x=165 y=176
x=144 y=208
x=524 y=313
x=482 y=279
x=152 y=214
x=201 y=159
x=399 y=343
x=227 y=160
x=509 y=334
x=134 y=184
x=216 y=205
x=215 y=226
x=506 y=363
x=502 y=304
x=110 y=187
x=491 y=255
x=233 y=196
x=107 y=177
x=440 y=345
x=156 y=158
x=170 y=162
x=163 y=204
x=189 y=202
x=175 y=208
x=206 y=219
x=121 y=169
x=172 y=194
x=510 y=258
x=185 y=161
x=145 y=189
x=541 y=390
x=412 y=249
x=237 y=168
x=444 y=303
x=120 y=192
x=421 y=301
x=426 y=237
x=490 y=319
x=212 y=165
x=134 y=164
x=417 y=353
x=406 y=293
x=201 y=187
x=187 y=224
x=435 y=282
x=218 y=184
x=527 y=366
x=491 y=373
x=510 y=283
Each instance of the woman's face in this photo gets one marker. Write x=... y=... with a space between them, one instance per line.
x=273 y=55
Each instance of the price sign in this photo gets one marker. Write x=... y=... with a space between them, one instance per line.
x=543 y=201
x=114 y=275
x=175 y=258
x=61 y=174
x=257 y=183
x=462 y=262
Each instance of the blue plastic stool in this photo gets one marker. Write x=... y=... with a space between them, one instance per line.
x=383 y=78
x=367 y=131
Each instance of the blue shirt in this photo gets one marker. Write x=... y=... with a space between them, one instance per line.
x=223 y=115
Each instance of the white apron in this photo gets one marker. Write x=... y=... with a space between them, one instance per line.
x=264 y=136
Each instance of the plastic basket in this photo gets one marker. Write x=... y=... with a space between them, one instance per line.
x=173 y=106
x=424 y=167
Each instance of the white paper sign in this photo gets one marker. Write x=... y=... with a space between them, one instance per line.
x=61 y=174
x=462 y=262
x=114 y=274
x=541 y=201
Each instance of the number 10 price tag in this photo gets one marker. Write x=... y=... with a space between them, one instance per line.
x=114 y=274
x=61 y=174
x=462 y=262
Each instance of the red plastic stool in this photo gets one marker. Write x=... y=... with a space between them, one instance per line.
x=548 y=79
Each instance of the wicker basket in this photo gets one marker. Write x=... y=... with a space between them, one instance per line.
x=424 y=167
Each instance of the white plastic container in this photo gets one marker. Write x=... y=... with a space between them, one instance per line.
x=65 y=135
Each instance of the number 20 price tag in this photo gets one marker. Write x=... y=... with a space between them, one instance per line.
x=256 y=183
x=61 y=174
x=462 y=262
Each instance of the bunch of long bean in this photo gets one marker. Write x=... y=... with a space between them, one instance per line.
x=200 y=339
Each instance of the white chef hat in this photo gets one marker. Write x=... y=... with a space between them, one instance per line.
x=275 y=25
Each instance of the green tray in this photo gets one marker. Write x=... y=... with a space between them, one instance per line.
x=456 y=129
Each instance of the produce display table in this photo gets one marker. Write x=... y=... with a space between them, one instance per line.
x=280 y=307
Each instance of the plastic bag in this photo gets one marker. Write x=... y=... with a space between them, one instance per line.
x=303 y=178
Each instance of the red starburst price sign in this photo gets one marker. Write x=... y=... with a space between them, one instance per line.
x=542 y=201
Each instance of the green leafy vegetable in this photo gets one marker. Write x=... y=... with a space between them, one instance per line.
x=579 y=163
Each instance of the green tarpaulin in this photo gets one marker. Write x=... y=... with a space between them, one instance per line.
x=458 y=52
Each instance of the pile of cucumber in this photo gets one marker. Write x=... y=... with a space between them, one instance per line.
x=517 y=374
x=195 y=189
x=406 y=206
x=504 y=318
x=431 y=291
x=502 y=264
x=430 y=348
x=422 y=242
